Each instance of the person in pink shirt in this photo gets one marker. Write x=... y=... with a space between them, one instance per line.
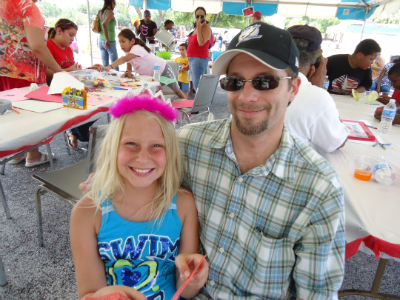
x=140 y=58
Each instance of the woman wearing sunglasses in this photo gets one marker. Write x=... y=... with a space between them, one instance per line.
x=198 y=46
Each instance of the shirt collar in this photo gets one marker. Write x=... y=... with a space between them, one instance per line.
x=280 y=163
x=303 y=78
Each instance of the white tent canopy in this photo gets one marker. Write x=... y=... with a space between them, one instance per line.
x=318 y=9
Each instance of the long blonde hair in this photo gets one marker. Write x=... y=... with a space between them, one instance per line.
x=108 y=182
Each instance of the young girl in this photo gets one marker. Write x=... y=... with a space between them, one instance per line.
x=127 y=232
x=139 y=56
x=60 y=38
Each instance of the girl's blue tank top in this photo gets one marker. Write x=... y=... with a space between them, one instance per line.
x=141 y=254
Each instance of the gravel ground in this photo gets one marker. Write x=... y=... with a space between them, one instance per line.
x=48 y=272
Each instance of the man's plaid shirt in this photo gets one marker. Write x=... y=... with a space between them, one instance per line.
x=274 y=231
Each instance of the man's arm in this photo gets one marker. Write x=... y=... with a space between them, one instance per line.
x=319 y=268
x=366 y=82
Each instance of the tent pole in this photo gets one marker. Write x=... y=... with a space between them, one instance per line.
x=365 y=21
x=90 y=34
x=144 y=4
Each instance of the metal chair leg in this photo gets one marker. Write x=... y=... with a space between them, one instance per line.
x=67 y=142
x=2 y=167
x=3 y=278
x=3 y=199
x=108 y=118
x=187 y=116
x=50 y=156
x=38 y=203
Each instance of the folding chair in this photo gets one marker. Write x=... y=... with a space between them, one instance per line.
x=204 y=96
x=64 y=183
x=165 y=89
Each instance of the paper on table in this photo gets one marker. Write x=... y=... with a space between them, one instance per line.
x=63 y=80
x=96 y=99
x=41 y=94
x=38 y=106
x=14 y=95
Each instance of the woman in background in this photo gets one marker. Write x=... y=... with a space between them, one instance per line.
x=198 y=47
x=26 y=58
x=107 y=45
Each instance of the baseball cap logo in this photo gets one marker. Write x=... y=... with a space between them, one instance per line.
x=249 y=33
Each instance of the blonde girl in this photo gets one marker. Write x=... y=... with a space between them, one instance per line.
x=127 y=232
x=142 y=60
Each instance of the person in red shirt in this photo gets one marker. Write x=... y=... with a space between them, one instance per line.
x=61 y=36
x=394 y=76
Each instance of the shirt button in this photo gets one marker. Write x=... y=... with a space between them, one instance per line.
x=231 y=215
x=221 y=250
x=212 y=282
x=240 y=179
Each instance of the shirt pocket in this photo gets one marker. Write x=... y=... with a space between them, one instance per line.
x=272 y=264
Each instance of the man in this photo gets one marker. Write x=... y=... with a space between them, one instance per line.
x=226 y=39
x=257 y=17
x=347 y=72
x=313 y=116
x=270 y=209
x=394 y=77
x=146 y=28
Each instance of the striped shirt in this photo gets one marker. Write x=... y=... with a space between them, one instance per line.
x=272 y=232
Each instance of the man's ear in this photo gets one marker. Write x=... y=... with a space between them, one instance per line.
x=294 y=89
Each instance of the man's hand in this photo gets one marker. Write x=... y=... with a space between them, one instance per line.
x=383 y=99
x=317 y=76
x=360 y=89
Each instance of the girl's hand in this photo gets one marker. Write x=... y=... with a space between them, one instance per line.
x=95 y=66
x=127 y=74
x=107 y=44
x=185 y=263
x=108 y=68
x=124 y=290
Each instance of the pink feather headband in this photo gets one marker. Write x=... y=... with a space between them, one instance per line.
x=129 y=104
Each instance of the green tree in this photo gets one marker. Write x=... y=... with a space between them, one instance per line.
x=50 y=10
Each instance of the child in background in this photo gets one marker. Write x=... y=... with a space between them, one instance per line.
x=60 y=38
x=141 y=59
x=127 y=232
x=183 y=69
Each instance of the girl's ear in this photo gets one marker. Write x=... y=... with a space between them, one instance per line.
x=59 y=30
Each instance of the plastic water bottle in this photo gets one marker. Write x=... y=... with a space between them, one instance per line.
x=326 y=83
x=388 y=114
x=383 y=172
x=157 y=72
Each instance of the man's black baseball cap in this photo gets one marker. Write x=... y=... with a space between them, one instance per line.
x=268 y=44
x=312 y=34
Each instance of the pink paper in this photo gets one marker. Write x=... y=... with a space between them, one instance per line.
x=14 y=95
x=97 y=99
x=182 y=104
x=41 y=94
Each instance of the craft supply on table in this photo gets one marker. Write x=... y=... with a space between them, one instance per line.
x=365 y=97
x=74 y=98
x=5 y=105
x=14 y=95
x=41 y=94
x=185 y=283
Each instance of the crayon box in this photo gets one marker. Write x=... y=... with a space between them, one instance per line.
x=74 y=98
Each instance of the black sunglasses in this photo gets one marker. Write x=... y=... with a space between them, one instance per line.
x=200 y=16
x=261 y=83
